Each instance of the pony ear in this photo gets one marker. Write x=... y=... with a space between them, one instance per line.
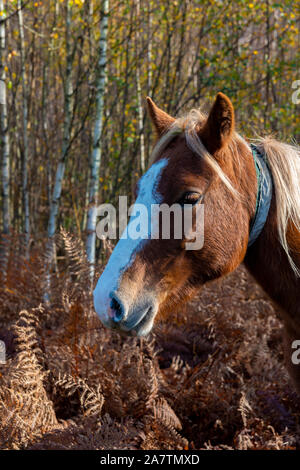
x=219 y=125
x=161 y=120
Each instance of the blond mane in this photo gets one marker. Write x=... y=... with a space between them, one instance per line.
x=284 y=162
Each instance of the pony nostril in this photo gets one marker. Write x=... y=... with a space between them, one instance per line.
x=117 y=309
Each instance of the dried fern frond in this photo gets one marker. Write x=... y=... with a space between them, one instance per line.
x=91 y=399
x=77 y=260
x=28 y=410
x=244 y=408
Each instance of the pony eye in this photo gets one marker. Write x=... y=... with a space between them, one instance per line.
x=190 y=197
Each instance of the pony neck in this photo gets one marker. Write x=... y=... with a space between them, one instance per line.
x=267 y=262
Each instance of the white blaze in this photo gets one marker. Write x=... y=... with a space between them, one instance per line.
x=125 y=251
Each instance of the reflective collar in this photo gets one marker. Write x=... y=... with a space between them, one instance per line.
x=264 y=194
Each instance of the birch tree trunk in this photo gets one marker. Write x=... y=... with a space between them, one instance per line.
x=25 y=195
x=139 y=89
x=3 y=126
x=149 y=48
x=54 y=207
x=96 y=150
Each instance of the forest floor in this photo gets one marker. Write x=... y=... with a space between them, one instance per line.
x=209 y=377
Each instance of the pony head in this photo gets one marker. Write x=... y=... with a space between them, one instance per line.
x=198 y=162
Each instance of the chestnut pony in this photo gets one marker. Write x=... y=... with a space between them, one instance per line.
x=201 y=159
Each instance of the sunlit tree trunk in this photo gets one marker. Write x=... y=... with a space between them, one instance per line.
x=149 y=47
x=91 y=54
x=96 y=150
x=3 y=126
x=25 y=195
x=54 y=207
x=139 y=89
x=55 y=198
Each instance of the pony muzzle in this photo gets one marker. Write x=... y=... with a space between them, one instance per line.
x=132 y=317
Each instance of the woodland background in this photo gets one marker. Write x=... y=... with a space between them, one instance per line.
x=74 y=133
x=181 y=53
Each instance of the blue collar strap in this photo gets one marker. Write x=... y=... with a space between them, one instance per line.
x=264 y=194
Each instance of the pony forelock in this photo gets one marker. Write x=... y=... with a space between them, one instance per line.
x=188 y=125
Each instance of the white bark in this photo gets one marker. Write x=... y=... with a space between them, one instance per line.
x=25 y=195
x=59 y=176
x=54 y=207
x=139 y=91
x=96 y=150
x=149 y=48
x=3 y=127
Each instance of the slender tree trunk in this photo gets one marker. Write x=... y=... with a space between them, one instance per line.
x=139 y=89
x=3 y=127
x=96 y=150
x=47 y=155
x=267 y=58
x=149 y=69
x=48 y=64
x=54 y=207
x=91 y=43
x=122 y=109
x=55 y=199
x=149 y=47
x=25 y=195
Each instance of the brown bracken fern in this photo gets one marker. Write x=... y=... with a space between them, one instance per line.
x=211 y=376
